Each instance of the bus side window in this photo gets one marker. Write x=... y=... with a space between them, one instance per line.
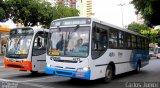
x=99 y=42
x=40 y=42
x=113 y=38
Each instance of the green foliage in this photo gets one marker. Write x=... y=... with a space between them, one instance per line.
x=30 y=12
x=137 y=27
x=143 y=29
x=3 y=15
x=63 y=11
x=34 y=12
x=149 y=9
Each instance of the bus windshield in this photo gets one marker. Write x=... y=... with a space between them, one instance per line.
x=69 y=41
x=157 y=50
x=18 y=46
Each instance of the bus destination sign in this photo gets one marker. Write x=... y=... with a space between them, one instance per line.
x=72 y=21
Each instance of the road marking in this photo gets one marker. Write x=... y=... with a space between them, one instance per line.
x=32 y=80
x=7 y=80
x=1 y=66
x=24 y=82
x=37 y=85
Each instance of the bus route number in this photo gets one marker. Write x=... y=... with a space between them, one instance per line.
x=111 y=54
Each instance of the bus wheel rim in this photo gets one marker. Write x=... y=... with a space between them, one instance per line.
x=109 y=73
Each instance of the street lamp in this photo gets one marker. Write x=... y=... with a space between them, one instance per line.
x=122 y=12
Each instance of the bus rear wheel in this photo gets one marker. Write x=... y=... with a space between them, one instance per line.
x=108 y=74
x=138 y=67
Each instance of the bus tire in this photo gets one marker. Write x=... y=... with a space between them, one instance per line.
x=73 y=79
x=34 y=72
x=138 y=67
x=108 y=74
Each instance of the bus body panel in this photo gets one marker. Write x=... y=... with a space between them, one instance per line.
x=68 y=69
x=39 y=62
x=121 y=59
x=124 y=60
x=17 y=65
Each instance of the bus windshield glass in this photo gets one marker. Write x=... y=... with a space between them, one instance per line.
x=18 y=45
x=69 y=42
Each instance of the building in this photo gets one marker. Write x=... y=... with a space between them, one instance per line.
x=4 y=34
x=68 y=3
x=84 y=6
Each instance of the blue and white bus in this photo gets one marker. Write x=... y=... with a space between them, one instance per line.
x=87 y=48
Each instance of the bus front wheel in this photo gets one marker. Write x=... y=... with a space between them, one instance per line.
x=34 y=72
x=108 y=74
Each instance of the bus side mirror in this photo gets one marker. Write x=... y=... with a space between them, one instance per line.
x=5 y=46
x=5 y=49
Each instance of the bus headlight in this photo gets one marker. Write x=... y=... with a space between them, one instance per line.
x=83 y=69
x=25 y=60
x=48 y=65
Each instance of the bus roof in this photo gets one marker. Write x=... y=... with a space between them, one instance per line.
x=4 y=29
x=104 y=23
x=34 y=29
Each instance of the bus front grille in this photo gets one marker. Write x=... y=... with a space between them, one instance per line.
x=15 y=66
x=66 y=61
x=64 y=73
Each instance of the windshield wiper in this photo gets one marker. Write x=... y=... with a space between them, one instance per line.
x=76 y=28
x=59 y=28
x=69 y=34
x=20 y=39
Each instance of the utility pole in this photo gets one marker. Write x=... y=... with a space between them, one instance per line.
x=122 y=12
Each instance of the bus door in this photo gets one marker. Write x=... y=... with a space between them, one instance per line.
x=99 y=47
x=39 y=51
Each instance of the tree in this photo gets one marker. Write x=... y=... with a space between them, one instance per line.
x=33 y=12
x=137 y=27
x=29 y=12
x=149 y=9
x=63 y=11
x=3 y=15
x=143 y=29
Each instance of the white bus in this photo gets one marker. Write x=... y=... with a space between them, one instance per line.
x=86 y=48
x=26 y=49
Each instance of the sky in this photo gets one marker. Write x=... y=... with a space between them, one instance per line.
x=8 y=24
x=109 y=11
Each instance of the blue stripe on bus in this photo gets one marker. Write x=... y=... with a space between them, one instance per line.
x=139 y=54
x=68 y=73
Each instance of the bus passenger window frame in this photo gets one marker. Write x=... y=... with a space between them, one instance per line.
x=41 y=50
x=113 y=35
x=98 y=47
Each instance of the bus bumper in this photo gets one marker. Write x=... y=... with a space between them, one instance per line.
x=22 y=66
x=68 y=73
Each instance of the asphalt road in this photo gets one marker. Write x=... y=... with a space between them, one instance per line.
x=149 y=77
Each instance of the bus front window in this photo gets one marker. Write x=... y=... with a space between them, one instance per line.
x=70 y=42
x=18 y=46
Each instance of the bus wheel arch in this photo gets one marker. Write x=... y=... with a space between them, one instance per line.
x=109 y=73
x=113 y=67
